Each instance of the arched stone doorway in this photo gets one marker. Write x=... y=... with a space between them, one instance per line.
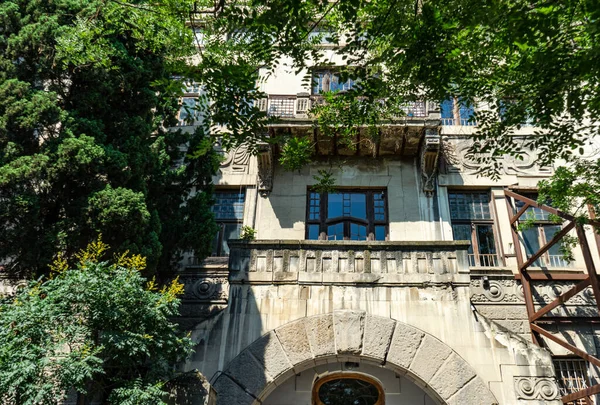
x=350 y=336
x=344 y=383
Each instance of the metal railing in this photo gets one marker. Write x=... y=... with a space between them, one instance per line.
x=292 y=106
x=483 y=260
x=573 y=376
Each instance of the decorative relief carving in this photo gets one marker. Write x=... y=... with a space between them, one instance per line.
x=205 y=289
x=462 y=161
x=536 y=388
x=265 y=169
x=430 y=157
x=511 y=291
x=236 y=161
x=496 y=291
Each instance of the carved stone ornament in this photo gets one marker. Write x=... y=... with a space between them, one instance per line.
x=463 y=161
x=235 y=161
x=265 y=169
x=204 y=289
x=430 y=157
x=496 y=291
x=536 y=388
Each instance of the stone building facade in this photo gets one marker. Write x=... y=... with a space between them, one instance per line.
x=401 y=287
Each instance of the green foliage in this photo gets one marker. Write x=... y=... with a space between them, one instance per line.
x=86 y=92
x=98 y=328
x=247 y=233
x=325 y=182
x=523 y=60
x=296 y=153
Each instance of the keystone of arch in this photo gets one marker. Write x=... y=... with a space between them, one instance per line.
x=301 y=344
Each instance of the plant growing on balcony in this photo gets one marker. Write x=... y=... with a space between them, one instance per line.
x=296 y=153
x=248 y=233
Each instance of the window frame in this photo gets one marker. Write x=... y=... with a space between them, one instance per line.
x=222 y=222
x=458 y=106
x=540 y=225
x=343 y=375
x=314 y=84
x=474 y=223
x=323 y=222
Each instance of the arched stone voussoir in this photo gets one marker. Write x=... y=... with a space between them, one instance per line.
x=428 y=361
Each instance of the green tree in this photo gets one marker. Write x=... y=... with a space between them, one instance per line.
x=86 y=95
x=522 y=60
x=99 y=328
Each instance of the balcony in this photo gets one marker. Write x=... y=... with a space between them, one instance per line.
x=348 y=262
x=296 y=107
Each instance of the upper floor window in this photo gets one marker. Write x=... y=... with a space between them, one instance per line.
x=541 y=232
x=229 y=215
x=457 y=112
x=470 y=213
x=347 y=215
x=188 y=111
x=325 y=80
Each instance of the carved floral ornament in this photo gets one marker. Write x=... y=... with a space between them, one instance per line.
x=511 y=291
x=536 y=388
x=460 y=160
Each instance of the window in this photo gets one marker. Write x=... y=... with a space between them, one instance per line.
x=229 y=214
x=573 y=376
x=347 y=388
x=471 y=218
x=347 y=215
x=455 y=112
x=328 y=80
x=188 y=113
x=541 y=233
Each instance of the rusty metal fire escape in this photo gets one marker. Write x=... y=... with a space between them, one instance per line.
x=539 y=320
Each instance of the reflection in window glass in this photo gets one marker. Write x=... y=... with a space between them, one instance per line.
x=348 y=391
x=335 y=232
x=358 y=232
x=230 y=231
x=229 y=214
x=350 y=215
x=380 y=232
x=313 y=232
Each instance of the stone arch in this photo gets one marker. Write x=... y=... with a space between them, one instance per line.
x=296 y=346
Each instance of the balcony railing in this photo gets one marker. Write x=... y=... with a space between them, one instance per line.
x=483 y=260
x=293 y=106
x=303 y=261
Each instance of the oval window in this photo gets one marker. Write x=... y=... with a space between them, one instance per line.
x=349 y=389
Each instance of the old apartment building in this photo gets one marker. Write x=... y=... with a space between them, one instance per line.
x=407 y=284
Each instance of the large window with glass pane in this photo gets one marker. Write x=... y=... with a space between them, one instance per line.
x=347 y=215
x=471 y=216
x=536 y=236
x=457 y=112
x=229 y=215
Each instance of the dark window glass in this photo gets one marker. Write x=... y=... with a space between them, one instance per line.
x=353 y=215
x=314 y=206
x=335 y=232
x=229 y=205
x=469 y=205
x=358 y=232
x=313 y=232
x=348 y=391
x=472 y=220
x=379 y=207
x=229 y=214
x=532 y=212
x=380 y=232
x=447 y=109
x=326 y=80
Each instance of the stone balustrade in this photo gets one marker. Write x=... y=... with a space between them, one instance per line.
x=348 y=262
